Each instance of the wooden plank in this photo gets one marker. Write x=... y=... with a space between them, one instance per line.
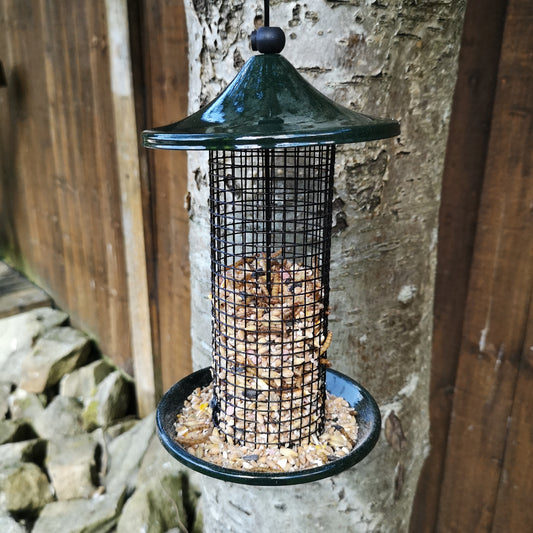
x=461 y=189
x=17 y=294
x=17 y=132
x=63 y=81
x=62 y=223
x=131 y=203
x=514 y=511
x=139 y=86
x=165 y=88
x=85 y=164
x=499 y=298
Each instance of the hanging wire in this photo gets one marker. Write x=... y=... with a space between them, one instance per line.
x=267 y=13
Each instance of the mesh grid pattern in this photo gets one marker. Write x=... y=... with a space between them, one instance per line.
x=270 y=251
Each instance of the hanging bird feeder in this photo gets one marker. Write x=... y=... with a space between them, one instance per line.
x=271 y=139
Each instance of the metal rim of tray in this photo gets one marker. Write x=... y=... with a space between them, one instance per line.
x=368 y=421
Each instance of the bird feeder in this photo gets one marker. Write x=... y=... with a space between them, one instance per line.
x=271 y=139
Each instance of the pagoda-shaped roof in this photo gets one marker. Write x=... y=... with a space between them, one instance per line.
x=268 y=105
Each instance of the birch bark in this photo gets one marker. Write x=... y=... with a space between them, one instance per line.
x=388 y=58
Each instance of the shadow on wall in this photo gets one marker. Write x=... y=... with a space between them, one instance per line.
x=12 y=93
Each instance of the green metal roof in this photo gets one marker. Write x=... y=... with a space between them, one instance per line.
x=269 y=105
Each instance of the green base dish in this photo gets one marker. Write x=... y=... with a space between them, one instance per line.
x=368 y=421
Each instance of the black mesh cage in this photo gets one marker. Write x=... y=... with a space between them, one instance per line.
x=270 y=252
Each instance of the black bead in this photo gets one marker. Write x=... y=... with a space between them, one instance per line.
x=268 y=40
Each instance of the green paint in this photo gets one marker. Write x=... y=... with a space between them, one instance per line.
x=268 y=105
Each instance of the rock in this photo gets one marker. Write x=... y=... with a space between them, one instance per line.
x=61 y=417
x=10 y=525
x=17 y=335
x=126 y=453
x=15 y=431
x=111 y=401
x=112 y=432
x=24 y=488
x=28 y=451
x=82 y=383
x=24 y=404
x=193 y=501
x=155 y=507
x=21 y=330
x=71 y=465
x=97 y=515
x=158 y=502
x=198 y=525
x=56 y=353
x=156 y=462
x=5 y=391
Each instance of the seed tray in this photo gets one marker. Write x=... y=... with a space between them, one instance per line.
x=368 y=421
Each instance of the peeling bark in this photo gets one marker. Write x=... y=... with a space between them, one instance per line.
x=388 y=58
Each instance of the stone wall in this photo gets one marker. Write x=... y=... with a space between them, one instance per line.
x=389 y=58
x=74 y=458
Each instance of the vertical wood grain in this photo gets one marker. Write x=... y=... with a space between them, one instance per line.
x=466 y=154
x=498 y=304
x=60 y=208
x=65 y=141
x=163 y=86
x=514 y=511
x=131 y=203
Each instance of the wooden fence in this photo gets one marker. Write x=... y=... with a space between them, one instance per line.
x=61 y=218
x=82 y=201
x=479 y=475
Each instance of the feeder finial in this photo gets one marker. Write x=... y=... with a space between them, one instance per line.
x=267 y=39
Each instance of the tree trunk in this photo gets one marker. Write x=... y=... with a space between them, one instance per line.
x=385 y=58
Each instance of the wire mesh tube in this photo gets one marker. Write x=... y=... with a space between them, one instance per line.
x=270 y=252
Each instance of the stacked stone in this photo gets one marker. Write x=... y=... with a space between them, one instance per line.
x=73 y=457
